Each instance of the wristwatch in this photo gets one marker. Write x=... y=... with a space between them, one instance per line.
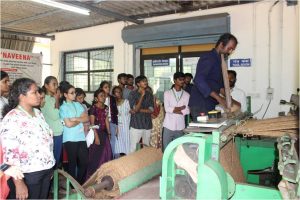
x=4 y=167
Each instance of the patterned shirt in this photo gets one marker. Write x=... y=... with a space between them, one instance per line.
x=141 y=120
x=27 y=141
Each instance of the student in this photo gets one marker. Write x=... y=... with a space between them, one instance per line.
x=129 y=82
x=80 y=95
x=176 y=106
x=141 y=105
x=122 y=79
x=236 y=93
x=100 y=151
x=27 y=141
x=73 y=115
x=157 y=116
x=122 y=145
x=51 y=112
x=4 y=89
x=188 y=77
x=110 y=101
x=42 y=93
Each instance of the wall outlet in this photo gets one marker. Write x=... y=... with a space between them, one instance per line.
x=270 y=93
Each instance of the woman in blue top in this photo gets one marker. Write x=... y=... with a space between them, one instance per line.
x=73 y=115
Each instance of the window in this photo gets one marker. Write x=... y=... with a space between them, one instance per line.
x=159 y=64
x=87 y=68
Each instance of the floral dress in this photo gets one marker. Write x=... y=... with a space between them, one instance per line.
x=27 y=141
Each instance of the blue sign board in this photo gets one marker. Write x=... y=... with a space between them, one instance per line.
x=240 y=62
x=161 y=62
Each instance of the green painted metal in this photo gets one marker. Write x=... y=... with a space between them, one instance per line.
x=245 y=191
x=213 y=181
x=77 y=193
x=55 y=185
x=212 y=177
x=254 y=155
x=140 y=177
x=209 y=169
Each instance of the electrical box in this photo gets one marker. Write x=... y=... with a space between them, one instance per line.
x=270 y=93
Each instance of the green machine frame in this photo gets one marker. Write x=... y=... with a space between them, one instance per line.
x=212 y=180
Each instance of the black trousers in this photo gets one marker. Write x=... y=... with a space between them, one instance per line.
x=38 y=184
x=78 y=159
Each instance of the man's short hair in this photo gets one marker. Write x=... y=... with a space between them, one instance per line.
x=178 y=75
x=188 y=75
x=225 y=38
x=130 y=76
x=139 y=79
x=232 y=72
x=121 y=75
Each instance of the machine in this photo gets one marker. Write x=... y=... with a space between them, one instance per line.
x=192 y=170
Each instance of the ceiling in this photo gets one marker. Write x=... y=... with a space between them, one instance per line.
x=31 y=18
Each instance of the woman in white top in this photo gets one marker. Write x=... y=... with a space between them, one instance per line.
x=27 y=141
x=4 y=89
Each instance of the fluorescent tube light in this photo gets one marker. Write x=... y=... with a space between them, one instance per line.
x=64 y=6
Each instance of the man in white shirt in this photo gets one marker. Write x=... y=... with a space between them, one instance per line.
x=236 y=93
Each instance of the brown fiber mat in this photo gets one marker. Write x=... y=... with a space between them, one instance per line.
x=229 y=159
x=123 y=167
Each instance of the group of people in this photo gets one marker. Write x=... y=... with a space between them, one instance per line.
x=38 y=124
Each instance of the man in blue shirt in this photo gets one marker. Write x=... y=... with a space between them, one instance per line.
x=208 y=81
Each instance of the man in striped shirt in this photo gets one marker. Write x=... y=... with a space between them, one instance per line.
x=141 y=104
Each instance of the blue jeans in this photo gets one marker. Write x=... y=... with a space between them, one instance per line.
x=57 y=148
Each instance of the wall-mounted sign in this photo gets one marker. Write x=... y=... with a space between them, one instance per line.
x=246 y=62
x=19 y=64
x=160 y=62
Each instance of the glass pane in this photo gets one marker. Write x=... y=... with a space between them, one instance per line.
x=77 y=61
x=97 y=77
x=101 y=59
x=160 y=77
x=190 y=65
x=78 y=80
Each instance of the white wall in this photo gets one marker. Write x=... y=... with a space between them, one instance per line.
x=249 y=23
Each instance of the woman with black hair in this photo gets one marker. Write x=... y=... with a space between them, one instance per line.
x=27 y=141
x=50 y=111
x=110 y=102
x=73 y=115
x=4 y=89
x=100 y=151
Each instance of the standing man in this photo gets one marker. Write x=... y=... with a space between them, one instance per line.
x=208 y=81
x=130 y=79
x=176 y=102
x=122 y=78
x=236 y=93
x=141 y=105
x=188 y=82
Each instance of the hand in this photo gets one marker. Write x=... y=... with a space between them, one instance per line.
x=222 y=102
x=14 y=172
x=182 y=107
x=178 y=112
x=132 y=111
x=97 y=141
x=142 y=92
x=21 y=190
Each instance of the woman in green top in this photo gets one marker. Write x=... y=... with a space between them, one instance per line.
x=51 y=113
